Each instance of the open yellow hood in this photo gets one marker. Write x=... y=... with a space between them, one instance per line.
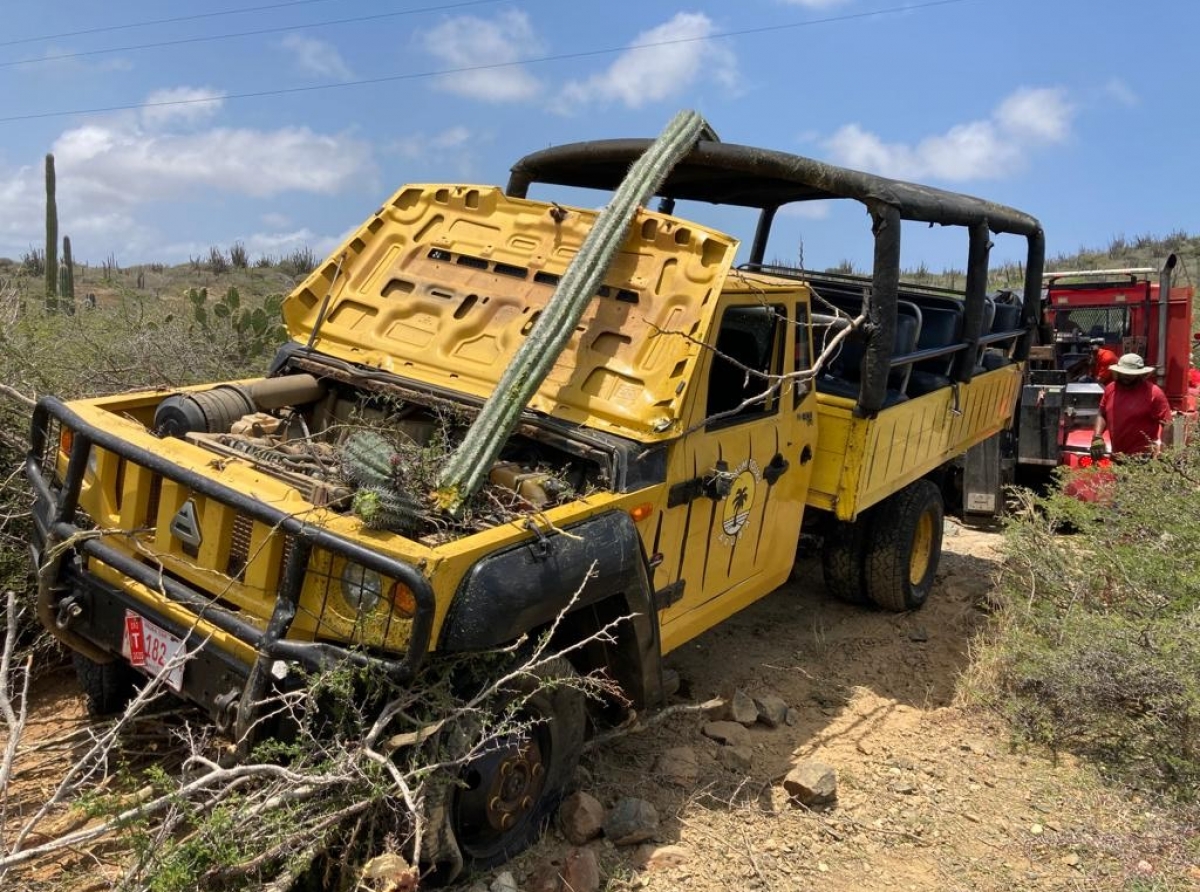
x=442 y=284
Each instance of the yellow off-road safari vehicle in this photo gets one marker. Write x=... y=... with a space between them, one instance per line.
x=676 y=446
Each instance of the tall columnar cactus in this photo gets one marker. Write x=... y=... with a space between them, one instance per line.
x=66 y=283
x=51 y=239
x=468 y=467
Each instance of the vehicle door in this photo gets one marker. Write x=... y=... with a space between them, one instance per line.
x=740 y=477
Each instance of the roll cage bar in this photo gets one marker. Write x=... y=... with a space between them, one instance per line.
x=764 y=179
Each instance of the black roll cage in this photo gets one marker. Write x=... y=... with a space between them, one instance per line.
x=764 y=179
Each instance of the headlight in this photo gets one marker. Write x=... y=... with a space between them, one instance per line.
x=362 y=588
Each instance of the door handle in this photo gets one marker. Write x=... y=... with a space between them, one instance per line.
x=774 y=469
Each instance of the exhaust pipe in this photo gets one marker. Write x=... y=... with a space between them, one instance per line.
x=1164 y=297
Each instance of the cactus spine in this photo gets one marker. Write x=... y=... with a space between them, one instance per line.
x=467 y=468
x=66 y=282
x=51 y=239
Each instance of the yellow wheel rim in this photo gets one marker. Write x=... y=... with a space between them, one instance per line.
x=922 y=549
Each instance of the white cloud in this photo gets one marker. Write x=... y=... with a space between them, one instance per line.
x=1037 y=115
x=993 y=147
x=662 y=62
x=174 y=105
x=1120 y=91
x=419 y=146
x=806 y=210
x=129 y=165
x=276 y=220
x=317 y=57
x=110 y=168
x=469 y=42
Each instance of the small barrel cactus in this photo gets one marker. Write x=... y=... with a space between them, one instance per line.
x=386 y=509
x=367 y=459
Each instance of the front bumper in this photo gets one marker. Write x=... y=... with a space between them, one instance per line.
x=85 y=612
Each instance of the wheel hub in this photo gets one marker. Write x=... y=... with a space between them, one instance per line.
x=922 y=549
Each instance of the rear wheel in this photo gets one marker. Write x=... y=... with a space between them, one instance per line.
x=843 y=560
x=905 y=547
x=108 y=687
x=502 y=799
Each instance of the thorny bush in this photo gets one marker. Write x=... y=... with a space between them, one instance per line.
x=1097 y=648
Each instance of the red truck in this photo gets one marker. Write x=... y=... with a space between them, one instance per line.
x=1136 y=310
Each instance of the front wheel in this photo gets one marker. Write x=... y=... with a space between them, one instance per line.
x=905 y=547
x=502 y=799
x=107 y=687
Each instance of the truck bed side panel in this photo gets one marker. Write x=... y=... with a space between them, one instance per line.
x=862 y=461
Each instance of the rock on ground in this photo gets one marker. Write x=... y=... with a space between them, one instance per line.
x=811 y=783
x=580 y=818
x=631 y=821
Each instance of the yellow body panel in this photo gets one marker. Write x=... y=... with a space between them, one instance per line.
x=862 y=461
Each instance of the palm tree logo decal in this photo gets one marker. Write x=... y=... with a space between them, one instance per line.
x=740 y=501
x=740 y=498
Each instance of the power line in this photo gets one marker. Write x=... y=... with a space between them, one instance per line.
x=257 y=32
x=150 y=22
x=422 y=75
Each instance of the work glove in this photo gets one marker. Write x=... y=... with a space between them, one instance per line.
x=1098 y=448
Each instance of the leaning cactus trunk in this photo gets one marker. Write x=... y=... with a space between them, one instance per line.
x=467 y=469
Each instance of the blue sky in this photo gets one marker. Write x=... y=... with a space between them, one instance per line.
x=1081 y=112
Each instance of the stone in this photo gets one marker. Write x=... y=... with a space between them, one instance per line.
x=581 y=871
x=903 y=787
x=679 y=765
x=580 y=818
x=504 y=882
x=731 y=733
x=546 y=877
x=919 y=634
x=631 y=821
x=793 y=716
x=735 y=707
x=772 y=710
x=652 y=858
x=811 y=783
x=737 y=759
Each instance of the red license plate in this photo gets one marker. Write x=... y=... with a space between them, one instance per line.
x=153 y=649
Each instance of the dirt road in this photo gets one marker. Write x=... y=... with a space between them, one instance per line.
x=930 y=794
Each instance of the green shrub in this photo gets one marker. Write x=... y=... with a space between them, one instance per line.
x=1097 y=648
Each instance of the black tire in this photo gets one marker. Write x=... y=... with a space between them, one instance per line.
x=541 y=766
x=905 y=546
x=107 y=687
x=843 y=560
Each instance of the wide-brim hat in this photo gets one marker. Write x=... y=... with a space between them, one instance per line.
x=1131 y=364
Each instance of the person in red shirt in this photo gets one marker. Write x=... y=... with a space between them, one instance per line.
x=1133 y=410
x=1102 y=360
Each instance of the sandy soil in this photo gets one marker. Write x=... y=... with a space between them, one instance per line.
x=932 y=795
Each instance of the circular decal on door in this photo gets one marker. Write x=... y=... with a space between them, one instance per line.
x=736 y=512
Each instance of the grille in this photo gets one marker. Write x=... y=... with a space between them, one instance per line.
x=239 y=548
x=152 y=501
